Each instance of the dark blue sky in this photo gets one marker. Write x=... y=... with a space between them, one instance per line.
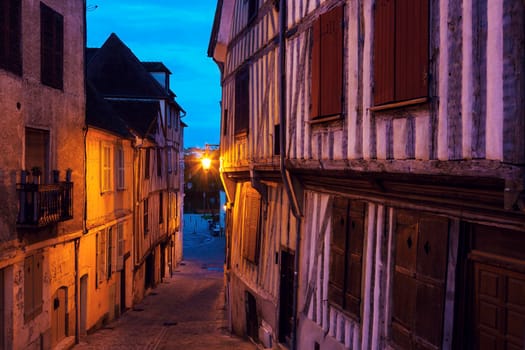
x=177 y=33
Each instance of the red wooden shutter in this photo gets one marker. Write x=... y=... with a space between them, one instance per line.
x=331 y=62
x=384 y=31
x=336 y=281
x=411 y=61
x=316 y=69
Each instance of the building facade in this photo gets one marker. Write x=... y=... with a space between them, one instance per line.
x=372 y=153
x=139 y=93
x=42 y=103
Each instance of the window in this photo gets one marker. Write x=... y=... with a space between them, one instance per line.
x=51 y=47
x=101 y=257
x=170 y=161
x=145 y=216
x=120 y=246
x=161 y=207
x=159 y=162
x=346 y=255
x=225 y=123
x=120 y=168
x=33 y=282
x=251 y=227
x=419 y=280
x=10 y=36
x=37 y=152
x=146 y=163
x=252 y=10
x=105 y=167
x=111 y=251
x=400 y=50
x=242 y=100
x=169 y=117
x=327 y=65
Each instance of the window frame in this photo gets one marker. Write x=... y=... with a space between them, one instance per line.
x=11 y=36
x=51 y=47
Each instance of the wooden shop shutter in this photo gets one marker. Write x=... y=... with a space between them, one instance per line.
x=356 y=231
x=250 y=239
x=242 y=100
x=419 y=280
x=327 y=64
x=336 y=282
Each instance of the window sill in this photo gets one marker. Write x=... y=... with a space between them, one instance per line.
x=395 y=105
x=325 y=119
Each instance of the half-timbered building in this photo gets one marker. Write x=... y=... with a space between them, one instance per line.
x=373 y=153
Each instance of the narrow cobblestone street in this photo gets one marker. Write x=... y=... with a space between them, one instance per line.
x=186 y=311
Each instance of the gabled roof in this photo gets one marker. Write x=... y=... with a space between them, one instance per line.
x=100 y=114
x=141 y=116
x=116 y=72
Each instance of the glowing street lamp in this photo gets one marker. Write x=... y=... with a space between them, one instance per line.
x=206 y=162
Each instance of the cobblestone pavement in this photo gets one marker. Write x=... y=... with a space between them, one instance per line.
x=186 y=311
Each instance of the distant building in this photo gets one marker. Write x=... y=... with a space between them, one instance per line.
x=139 y=93
x=373 y=157
x=42 y=170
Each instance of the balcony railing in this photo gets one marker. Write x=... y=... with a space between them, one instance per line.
x=42 y=205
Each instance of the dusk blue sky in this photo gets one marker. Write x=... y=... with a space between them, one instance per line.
x=176 y=33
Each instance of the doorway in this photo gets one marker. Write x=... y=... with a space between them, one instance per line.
x=286 y=297
x=59 y=316
x=83 y=304
x=494 y=291
x=252 y=321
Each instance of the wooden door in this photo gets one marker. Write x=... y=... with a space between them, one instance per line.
x=58 y=316
x=493 y=300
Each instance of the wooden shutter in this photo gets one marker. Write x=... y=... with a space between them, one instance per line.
x=51 y=46
x=250 y=239
x=327 y=64
x=419 y=280
x=242 y=100
x=38 y=280
x=10 y=36
x=28 y=287
x=336 y=282
x=356 y=230
x=411 y=61
x=384 y=35
x=331 y=62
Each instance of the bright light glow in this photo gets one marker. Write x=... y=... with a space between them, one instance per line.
x=206 y=163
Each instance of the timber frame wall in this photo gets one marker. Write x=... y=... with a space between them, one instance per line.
x=454 y=157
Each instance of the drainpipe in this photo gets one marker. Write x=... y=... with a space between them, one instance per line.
x=287 y=180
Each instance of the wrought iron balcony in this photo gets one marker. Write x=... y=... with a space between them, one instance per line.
x=44 y=204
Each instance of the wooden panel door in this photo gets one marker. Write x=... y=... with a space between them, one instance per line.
x=499 y=298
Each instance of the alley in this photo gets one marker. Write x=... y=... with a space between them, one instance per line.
x=185 y=311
